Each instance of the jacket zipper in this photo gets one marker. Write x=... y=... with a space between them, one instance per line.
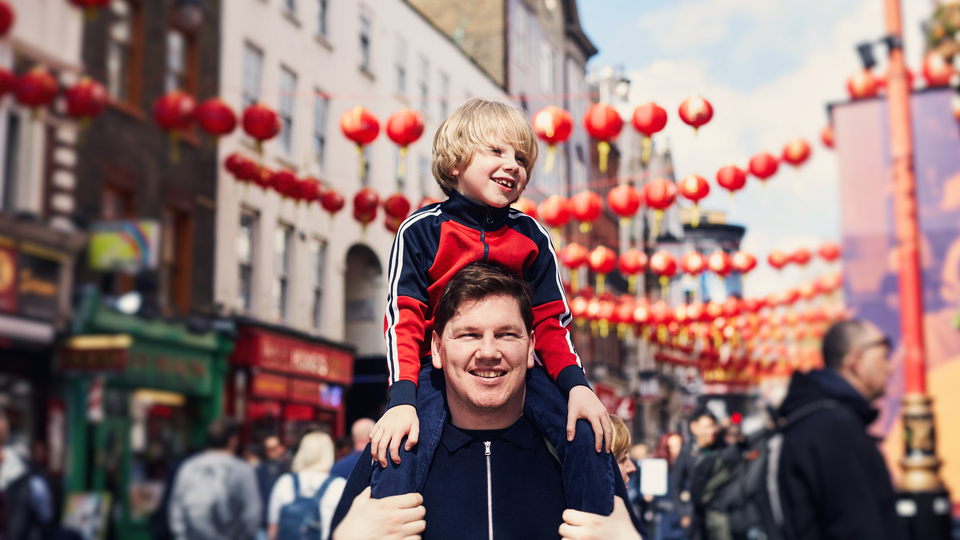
x=483 y=235
x=489 y=492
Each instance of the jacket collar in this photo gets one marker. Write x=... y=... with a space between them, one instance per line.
x=826 y=384
x=521 y=433
x=474 y=215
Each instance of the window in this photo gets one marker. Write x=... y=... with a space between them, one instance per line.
x=521 y=45
x=546 y=67
x=365 y=167
x=281 y=271
x=444 y=95
x=291 y=5
x=401 y=59
x=181 y=57
x=246 y=249
x=288 y=99
x=322 y=18
x=320 y=107
x=175 y=260
x=318 y=252
x=116 y=203
x=123 y=52
x=11 y=165
x=364 y=42
x=424 y=84
x=252 y=74
x=579 y=171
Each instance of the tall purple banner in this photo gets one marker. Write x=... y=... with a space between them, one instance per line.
x=869 y=252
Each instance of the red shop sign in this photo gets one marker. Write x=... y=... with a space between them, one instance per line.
x=284 y=354
x=305 y=391
x=269 y=386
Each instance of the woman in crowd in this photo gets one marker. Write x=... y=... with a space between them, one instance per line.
x=309 y=471
x=666 y=518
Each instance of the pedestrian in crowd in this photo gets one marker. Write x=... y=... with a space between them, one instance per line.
x=620 y=447
x=342 y=446
x=705 y=431
x=27 y=499
x=638 y=453
x=306 y=483
x=215 y=494
x=666 y=515
x=483 y=154
x=493 y=474
x=360 y=433
x=833 y=481
x=275 y=463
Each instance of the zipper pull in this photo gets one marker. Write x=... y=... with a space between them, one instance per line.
x=489 y=217
x=487 y=445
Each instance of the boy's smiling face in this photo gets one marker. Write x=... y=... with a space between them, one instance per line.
x=495 y=176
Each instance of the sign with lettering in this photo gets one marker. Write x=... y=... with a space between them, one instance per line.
x=38 y=281
x=169 y=368
x=85 y=361
x=284 y=354
x=269 y=386
x=124 y=246
x=305 y=391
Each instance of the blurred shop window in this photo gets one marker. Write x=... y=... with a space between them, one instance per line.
x=11 y=160
x=321 y=106
x=281 y=271
x=175 y=257
x=252 y=74
x=246 y=249
x=288 y=101
x=547 y=71
x=364 y=40
x=521 y=37
x=322 y=18
x=401 y=65
x=444 y=95
x=124 y=51
x=424 y=85
x=318 y=253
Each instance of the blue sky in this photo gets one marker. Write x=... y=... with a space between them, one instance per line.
x=769 y=69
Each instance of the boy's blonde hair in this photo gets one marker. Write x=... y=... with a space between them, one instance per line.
x=472 y=126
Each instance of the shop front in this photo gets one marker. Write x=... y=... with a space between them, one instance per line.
x=140 y=394
x=287 y=383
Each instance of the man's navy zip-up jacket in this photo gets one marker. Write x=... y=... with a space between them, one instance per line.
x=436 y=242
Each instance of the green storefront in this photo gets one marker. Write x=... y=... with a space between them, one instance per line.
x=140 y=393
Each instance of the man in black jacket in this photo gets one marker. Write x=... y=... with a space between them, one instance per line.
x=493 y=474
x=833 y=481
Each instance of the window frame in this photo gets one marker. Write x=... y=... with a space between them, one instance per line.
x=251 y=50
x=322 y=18
x=178 y=293
x=318 y=262
x=133 y=101
x=320 y=102
x=249 y=264
x=288 y=96
x=400 y=66
x=283 y=236
x=366 y=26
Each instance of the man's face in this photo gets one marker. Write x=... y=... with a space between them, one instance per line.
x=705 y=430
x=871 y=365
x=273 y=449
x=485 y=352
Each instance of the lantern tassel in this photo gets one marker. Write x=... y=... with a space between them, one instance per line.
x=173 y=138
x=624 y=223
x=632 y=284
x=647 y=147
x=604 y=328
x=574 y=280
x=402 y=163
x=603 y=148
x=363 y=162
x=585 y=227
x=555 y=236
x=601 y=281
x=548 y=166
x=695 y=216
x=655 y=230
x=664 y=286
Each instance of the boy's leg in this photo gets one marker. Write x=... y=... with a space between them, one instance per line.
x=410 y=474
x=588 y=479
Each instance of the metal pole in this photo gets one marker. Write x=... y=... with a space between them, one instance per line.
x=924 y=502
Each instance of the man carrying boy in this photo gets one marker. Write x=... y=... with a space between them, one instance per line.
x=482 y=156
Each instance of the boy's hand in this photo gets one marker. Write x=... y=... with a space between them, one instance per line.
x=583 y=403
x=395 y=424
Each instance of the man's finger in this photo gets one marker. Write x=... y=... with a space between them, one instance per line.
x=575 y=517
x=568 y=532
x=374 y=443
x=413 y=529
x=413 y=438
x=408 y=500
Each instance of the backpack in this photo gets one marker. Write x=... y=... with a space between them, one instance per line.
x=741 y=497
x=206 y=500
x=300 y=519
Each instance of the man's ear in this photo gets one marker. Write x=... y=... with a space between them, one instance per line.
x=435 y=350
x=530 y=348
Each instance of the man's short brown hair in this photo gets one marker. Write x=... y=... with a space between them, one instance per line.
x=472 y=126
x=479 y=280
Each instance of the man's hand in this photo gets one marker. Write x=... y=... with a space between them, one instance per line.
x=395 y=424
x=584 y=526
x=392 y=518
x=583 y=403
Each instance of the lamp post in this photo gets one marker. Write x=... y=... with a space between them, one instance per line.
x=924 y=502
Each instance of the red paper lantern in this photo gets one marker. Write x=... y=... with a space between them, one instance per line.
x=7 y=17
x=216 y=117
x=777 y=259
x=526 y=206
x=86 y=99
x=8 y=81
x=359 y=125
x=719 y=263
x=601 y=261
x=660 y=193
x=800 y=257
x=790 y=297
x=751 y=305
x=572 y=256
x=397 y=206
x=404 y=127
x=603 y=123
x=663 y=264
x=826 y=136
x=242 y=168
x=694 y=188
x=695 y=112
x=552 y=125
x=174 y=111
x=649 y=118
x=260 y=122
x=743 y=262
x=310 y=190
x=623 y=201
x=36 y=88
x=264 y=178
x=392 y=224
x=796 y=152
x=936 y=70
x=365 y=204
x=284 y=182
x=632 y=262
x=731 y=307
x=763 y=166
x=332 y=201
x=555 y=211
x=731 y=178
x=586 y=207
x=830 y=282
x=883 y=80
x=693 y=263
x=829 y=251
x=862 y=85
x=807 y=290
